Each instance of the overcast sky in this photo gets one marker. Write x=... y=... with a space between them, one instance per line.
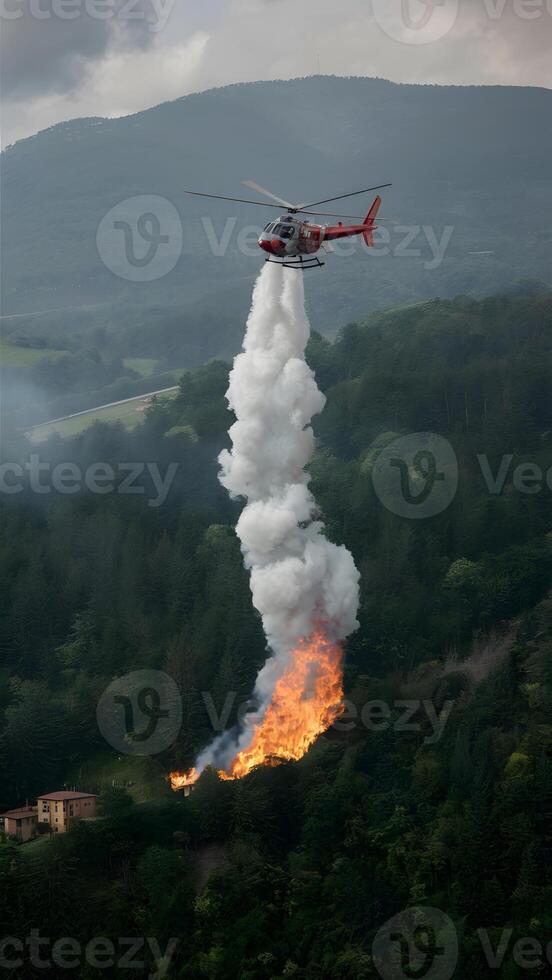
x=67 y=58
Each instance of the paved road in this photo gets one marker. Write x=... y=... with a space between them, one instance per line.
x=99 y=408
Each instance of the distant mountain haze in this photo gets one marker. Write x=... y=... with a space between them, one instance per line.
x=471 y=193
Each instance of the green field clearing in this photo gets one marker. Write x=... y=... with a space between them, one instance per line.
x=141 y=776
x=11 y=355
x=145 y=366
x=130 y=413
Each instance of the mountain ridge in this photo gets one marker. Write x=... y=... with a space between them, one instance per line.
x=453 y=153
x=262 y=81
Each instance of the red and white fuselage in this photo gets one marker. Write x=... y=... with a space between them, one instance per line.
x=291 y=237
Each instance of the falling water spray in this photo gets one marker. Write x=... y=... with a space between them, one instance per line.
x=304 y=587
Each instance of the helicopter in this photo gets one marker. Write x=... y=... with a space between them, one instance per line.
x=295 y=242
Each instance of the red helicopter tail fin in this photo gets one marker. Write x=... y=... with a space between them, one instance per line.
x=369 y=221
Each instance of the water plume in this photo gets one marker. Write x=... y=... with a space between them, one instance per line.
x=304 y=586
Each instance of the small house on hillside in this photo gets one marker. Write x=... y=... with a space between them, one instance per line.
x=58 y=809
x=21 y=823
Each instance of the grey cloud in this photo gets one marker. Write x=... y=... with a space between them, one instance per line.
x=51 y=54
x=47 y=56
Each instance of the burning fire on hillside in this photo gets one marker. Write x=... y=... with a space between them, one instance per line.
x=307 y=699
x=182 y=780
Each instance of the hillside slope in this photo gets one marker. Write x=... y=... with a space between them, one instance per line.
x=448 y=808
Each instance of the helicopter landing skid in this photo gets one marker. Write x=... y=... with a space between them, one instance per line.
x=298 y=263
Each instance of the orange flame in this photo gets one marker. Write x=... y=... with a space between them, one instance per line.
x=181 y=780
x=307 y=699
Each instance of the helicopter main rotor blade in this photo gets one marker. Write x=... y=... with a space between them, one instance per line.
x=290 y=207
x=332 y=214
x=341 y=197
x=262 y=190
x=350 y=217
x=238 y=200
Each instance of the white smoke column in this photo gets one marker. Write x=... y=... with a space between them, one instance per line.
x=298 y=578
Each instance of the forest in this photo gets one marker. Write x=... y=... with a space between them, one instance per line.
x=292 y=871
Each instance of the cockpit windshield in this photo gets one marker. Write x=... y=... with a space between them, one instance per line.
x=284 y=230
x=281 y=229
